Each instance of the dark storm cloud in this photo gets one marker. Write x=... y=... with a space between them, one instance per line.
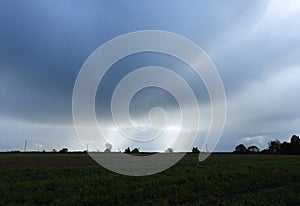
x=43 y=44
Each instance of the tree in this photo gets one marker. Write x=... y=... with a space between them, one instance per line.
x=285 y=148
x=63 y=150
x=135 y=150
x=253 y=149
x=265 y=151
x=169 y=150
x=240 y=149
x=195 y=150
x=127 y=150
x=295 y=145
x=295 y=140
x=274 y=146
x=108 y=147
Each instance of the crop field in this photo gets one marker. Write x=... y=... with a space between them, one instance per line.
x=223 y=179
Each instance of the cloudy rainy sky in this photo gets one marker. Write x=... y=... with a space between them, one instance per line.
x=254 y=44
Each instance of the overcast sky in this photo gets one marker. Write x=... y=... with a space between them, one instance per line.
x=254 y=44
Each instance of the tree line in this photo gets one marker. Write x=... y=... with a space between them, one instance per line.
x=274 y=147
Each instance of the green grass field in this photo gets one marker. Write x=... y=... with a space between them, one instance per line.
x=223 y=179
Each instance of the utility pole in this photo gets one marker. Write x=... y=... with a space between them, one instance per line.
x=207 y=149
x=25 y=146
x=87 y=147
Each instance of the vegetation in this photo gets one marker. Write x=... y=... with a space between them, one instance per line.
x=70 y=178
x=274 y=147
x=127 y=150
x=195 y=150
x=108 y=147
x=135 y=150
x=223 y=179
x=63 y=150
x=169 y=150
x=241 y=149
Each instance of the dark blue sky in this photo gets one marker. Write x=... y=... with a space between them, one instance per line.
x=254 y=44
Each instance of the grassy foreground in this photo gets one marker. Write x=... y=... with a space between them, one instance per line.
x=223 y=179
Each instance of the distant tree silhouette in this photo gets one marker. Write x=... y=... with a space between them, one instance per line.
x=253 y=149
x=295 y=140
x=285 y=148
x=265 y=151
x=274 y=146
x=295 y=145
x=127 y=150
x=195 y=150
x=63 y=150
x=108 y=147
x=169 y=150
x=135 y=150
x=240 y=149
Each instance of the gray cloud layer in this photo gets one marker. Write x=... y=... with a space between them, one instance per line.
x=43 y=44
